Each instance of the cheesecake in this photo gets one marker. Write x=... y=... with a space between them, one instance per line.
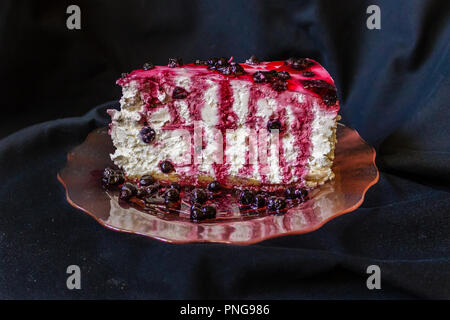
x=256 y=123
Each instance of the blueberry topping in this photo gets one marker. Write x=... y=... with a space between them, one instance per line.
x=175 y=62
x=252 y=60
x=143 y=192
x=223 y=66
x=299 y=63
x=127 y=191
x=275 y=204
x=295 y=193
x=125 y=194
x=175 y=185
x=147 y=134
x=179 y=93
x=301 y=193
x=279 y=85
x=214 y=186
x=237 y=69
x=274 y=124
x=146 y=180
x=326 y=90
x=197 y=213
x=284 y=75
x=276 y=79
x=289 y=193
x=308 y=74
x=226 y=70
x=166 y=166
x=246 y=197
x=211 y=62
x=199 y=196
x=112 y=177
x=260 y=201
x=171 y=195
x=148 y=66
x=260 y=76
x=209 y=212
x=221 y=62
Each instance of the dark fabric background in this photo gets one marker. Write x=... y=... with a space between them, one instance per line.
x=394 y=88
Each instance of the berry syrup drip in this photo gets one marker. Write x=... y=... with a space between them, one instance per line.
x=227 y=120
x=170 y=200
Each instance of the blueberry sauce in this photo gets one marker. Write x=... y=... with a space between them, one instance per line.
x=195 y=205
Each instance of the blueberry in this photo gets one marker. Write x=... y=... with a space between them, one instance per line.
x=166 y=166
x=175 y=62
x=125 y=194
x=279 y=85
x=196 y=213
x=271 y=74
x=284 y=75
x=211 y=62
x=289 y=193
x=226 y=70
x=301 y=193
x=198 y=196
x=148 y=66
x=259 y=77
x=127 y=191
x=214 y=186
x=112 y=177
x=209 y=212
x=145 y=191
x=171 y=195
x=316 y=85
x=237 y=69
x=299 y=63
x=147 y=134
x=260 y=201
x=175 y=185
x=252 y=60
x=274 y=124
x=142 y=192
x=330 y=97
x=146 y=180
x=275 y=204
x=246 y=197
x=326 y=90
x=221 y=62
x=179 y=93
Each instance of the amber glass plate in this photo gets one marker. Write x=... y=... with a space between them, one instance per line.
x=354 y=167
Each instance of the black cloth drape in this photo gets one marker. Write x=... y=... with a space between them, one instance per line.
x=394 y=88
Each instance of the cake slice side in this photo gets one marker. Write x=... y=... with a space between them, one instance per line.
x=232 y=111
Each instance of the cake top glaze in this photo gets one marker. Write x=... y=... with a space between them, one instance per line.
x=298 y=75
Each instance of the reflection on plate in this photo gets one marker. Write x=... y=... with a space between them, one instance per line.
x=354 y=167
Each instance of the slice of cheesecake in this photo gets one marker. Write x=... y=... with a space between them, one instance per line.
x=256 y=123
